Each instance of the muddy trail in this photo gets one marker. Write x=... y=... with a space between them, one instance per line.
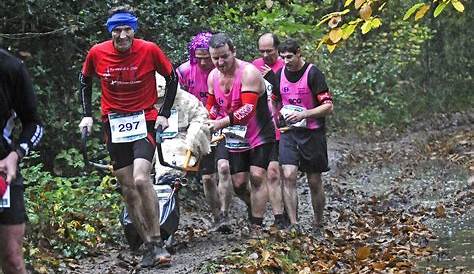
x=395 y=202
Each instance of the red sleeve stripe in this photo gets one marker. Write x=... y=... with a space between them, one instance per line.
x=324 y=97
x=210 y=103
x=248 y=108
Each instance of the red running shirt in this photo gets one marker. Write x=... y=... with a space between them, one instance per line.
x=127 y=78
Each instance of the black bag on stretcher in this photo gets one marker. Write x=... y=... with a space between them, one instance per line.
x=166 y=187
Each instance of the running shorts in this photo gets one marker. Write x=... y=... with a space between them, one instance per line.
x=304 y=148
x=123 y=154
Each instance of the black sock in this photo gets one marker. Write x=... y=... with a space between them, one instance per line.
x=256 y=221
x=279 y=217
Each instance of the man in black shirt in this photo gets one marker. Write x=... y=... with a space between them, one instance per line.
x=17 y=99
x=302 y=91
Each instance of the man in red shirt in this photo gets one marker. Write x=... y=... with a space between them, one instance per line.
x=126 y=68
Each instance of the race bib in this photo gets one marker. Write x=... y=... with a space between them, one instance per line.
x=289 y=109
x=127 y=127
x=235 y=137
x=172 y=130
x=5 y=200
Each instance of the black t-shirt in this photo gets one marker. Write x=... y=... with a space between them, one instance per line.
x=17 y=99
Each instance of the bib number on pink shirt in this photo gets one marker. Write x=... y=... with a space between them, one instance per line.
x=235 y=137
x=289 y=109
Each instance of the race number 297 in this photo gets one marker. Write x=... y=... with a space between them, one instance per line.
x=128 y=126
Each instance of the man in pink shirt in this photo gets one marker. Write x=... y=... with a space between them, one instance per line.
x=269 y=64
x=237 y=103
x=193 y=76
x=302 y=91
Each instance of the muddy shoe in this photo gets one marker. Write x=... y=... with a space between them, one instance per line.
x=155 y=255
x=256 y=231
x=280 y=222
x=295 y=229
x=317 y=231
x=221 y=224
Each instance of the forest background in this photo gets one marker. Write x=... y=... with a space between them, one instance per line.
x=383 y=80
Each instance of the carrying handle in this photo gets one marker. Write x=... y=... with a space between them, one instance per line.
x=84 y=134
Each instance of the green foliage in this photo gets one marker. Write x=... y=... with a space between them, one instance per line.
x=371 y=13
x=69 y=216
x=380 y=78
x=366 y=86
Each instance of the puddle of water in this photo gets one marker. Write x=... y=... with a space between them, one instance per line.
x=431 y=183
x=454 y=246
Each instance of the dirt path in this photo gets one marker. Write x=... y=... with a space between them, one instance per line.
x=424 y=170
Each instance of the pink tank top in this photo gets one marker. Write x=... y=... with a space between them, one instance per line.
x=193 y=79
x=299 y=94
x=257 y=131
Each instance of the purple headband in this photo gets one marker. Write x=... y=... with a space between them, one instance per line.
x=200 y=41
x=122 y=19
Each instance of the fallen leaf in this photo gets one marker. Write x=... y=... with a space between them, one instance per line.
x=363 y=253
x=379 y=266
x=440 y=211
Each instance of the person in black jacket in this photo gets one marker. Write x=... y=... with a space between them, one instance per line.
x=17 y=99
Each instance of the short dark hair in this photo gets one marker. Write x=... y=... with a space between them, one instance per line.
x=289 y=45
x=122 y=8
x=221 y=39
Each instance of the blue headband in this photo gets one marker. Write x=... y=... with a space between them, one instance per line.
x=121 y=19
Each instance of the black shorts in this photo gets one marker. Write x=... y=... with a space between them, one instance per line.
x=123 y=154
x=221 y=152
x=16 y=213
x=241 y=161
x=207 y=164
x=304 y=148
x=274 y=155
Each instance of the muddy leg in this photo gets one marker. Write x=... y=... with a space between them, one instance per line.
x=258 y=191
x=318 y=198
x=140 y=198
x=290 y=196
x=211 y=193
x=225 y=184
x=241 y=185
x=275 y=188
x=11 y=252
